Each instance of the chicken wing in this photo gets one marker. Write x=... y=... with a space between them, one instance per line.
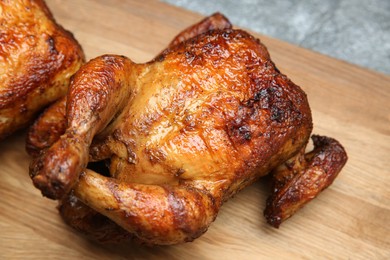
x=180 y=135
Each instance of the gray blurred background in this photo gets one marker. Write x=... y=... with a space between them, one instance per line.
x=357 y=31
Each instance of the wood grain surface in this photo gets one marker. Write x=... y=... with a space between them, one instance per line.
x=350 y=220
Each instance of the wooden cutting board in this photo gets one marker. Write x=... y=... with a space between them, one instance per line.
x=349 y=220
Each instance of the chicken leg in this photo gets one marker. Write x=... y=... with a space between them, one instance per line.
x=51 y=124
x=180 y=135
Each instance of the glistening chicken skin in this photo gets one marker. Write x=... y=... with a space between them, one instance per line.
x=180 y=134
x=37 y=59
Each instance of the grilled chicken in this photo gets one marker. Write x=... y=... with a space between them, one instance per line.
x=37 y=58
x=51 y=123
x=179 y=135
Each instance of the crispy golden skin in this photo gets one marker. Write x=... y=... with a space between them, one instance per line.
x=213 y=22
x=37 y=58
x=303 y=177
x=91 y=222
x=180 y=135
x=47 y=128
x=51 y=123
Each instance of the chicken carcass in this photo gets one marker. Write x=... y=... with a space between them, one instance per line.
x=180 y=135
x=37 y=58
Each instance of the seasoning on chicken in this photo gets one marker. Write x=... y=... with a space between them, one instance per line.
x=37 y=59
x=180 y=135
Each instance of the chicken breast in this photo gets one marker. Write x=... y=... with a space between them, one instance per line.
x=179 y=136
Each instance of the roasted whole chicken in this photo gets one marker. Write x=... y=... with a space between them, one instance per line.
x=151 y=151
x=37 y=58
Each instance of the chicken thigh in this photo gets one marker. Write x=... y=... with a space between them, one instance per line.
x=180 y=135
x=37 y=58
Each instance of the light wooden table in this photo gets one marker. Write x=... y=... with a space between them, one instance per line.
x=350 y=220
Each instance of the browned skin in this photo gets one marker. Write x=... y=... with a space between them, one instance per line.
x=181 y=134
x=91 y=222
x=216 y=21
x=48 y=127
x=37 y=58
x=52 y=122
x=303 y=177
